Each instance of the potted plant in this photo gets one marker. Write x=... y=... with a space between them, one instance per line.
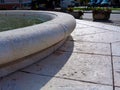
x=76 y=13
x=101 y=13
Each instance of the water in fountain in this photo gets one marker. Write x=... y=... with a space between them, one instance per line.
x=13 y=22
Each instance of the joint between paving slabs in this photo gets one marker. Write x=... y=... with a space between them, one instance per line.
x=112 y=65
x=65 y=78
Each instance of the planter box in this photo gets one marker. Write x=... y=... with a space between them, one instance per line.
x=76 y=14
x=101 y=15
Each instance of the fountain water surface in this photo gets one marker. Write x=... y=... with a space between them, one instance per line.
x=17 y=21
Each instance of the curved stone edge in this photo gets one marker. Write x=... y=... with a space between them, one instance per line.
x=22 y=42
x=26 y=61
x=40 y=40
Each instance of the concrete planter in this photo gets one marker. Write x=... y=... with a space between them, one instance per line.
x=76 y=14
x=24 y=46
x=101 y=15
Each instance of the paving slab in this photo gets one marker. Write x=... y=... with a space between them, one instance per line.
x=88 y=30
x=116 y=64
x=99 y=25
x=75 y=66
x=86 y=47
x=114 y=18
x=107 y=37
x=116 y=48
x=81 y=26
x=25 y=81
x=116 y=88
x=82 y=63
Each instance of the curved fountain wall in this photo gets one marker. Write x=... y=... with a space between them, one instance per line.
x=24 y=46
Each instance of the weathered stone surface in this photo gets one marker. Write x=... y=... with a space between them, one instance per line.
x=116 y=48
x=23 y=62
x=87 y=31
x=107 y=37
x=100 y=25
x=22 y=42
x=70 y=68
x=18 y=44
x=87 y=47
x=25 y=81
x=75 y=66
x=116 y=64
x=116 y=88
x=80 y=26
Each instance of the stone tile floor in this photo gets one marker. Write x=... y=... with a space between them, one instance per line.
x=89 y=60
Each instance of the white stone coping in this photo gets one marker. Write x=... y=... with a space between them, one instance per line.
x=22 y=42
x=10 y=67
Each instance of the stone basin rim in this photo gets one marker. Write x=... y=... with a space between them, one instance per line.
x=22 y=42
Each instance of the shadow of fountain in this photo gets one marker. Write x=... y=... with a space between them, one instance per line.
x=38 y=75
x=104 y=21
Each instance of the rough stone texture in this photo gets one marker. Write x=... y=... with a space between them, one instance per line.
x=116 y=48
x=107 y=37
x=86 y=31
x=114 y=18
x=81 y=26
x=83 y=63
x=116 y=63
x=87 y=47
x=18 y=43
x=25 y=81
x=75 y=66
x=100 y=25
x=23 y=62
x=117 y=88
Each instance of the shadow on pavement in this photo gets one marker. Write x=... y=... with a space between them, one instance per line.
x=37 y=76
x=103 y=21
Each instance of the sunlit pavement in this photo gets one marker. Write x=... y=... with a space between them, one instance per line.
x=89 y=60
x=114 y=18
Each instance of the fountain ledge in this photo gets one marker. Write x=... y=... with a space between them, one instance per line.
x=24 y=46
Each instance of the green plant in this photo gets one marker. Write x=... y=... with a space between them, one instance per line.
x=92 y=8
x=102 y=10
x=115 y=8
x=101 y=13
x=70 y=9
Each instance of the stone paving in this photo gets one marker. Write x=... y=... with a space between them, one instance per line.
x=114 y=18
x=89 y=60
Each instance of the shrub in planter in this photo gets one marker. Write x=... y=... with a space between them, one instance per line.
x=76 y=13
x=101 y=13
